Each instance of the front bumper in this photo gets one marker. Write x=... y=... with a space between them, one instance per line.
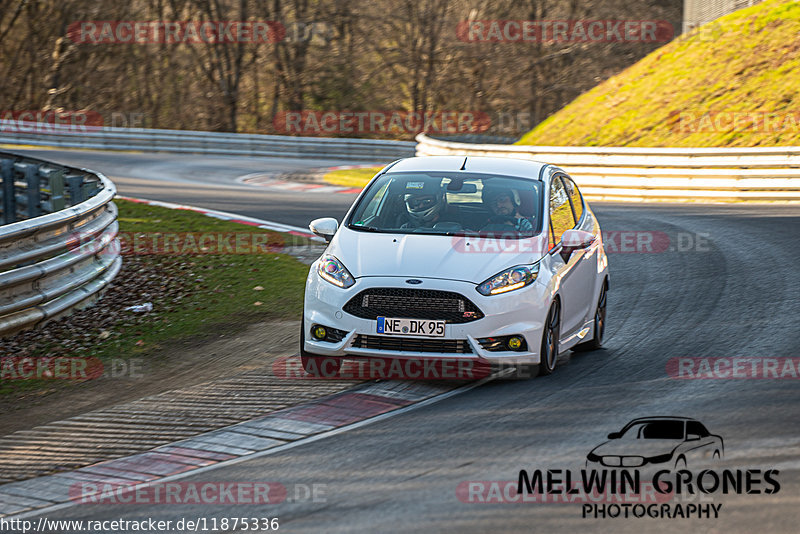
x=520 y=312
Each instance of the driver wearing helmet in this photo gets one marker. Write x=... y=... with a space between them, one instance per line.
x=426 y=204
x=502 y=203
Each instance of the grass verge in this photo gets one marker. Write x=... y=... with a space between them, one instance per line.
x=351 y=177
x=732 y=82
x=194 y=296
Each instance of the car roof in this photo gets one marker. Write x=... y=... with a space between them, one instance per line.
x=661 y=418
x=519 y=168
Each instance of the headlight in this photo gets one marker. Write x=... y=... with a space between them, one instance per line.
x=332 y=270
x=509 y=280
x=592 y=457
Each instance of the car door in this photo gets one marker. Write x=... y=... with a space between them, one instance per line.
x=572 y=281
x=585 y=277
x=560 y=220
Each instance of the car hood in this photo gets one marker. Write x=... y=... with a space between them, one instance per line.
x=431 y=256
x=638 y=447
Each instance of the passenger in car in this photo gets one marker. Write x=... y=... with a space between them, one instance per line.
x=501 y=202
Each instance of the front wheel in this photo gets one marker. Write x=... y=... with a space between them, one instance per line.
x=549 y=351
x=599 y=324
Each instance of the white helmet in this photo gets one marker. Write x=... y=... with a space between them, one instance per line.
x=425 y=203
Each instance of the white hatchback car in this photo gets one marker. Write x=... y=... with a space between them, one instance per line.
x=492 y=260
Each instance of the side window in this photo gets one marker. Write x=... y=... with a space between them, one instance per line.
x=695 y=427
x=561 y=218
x=575 y=198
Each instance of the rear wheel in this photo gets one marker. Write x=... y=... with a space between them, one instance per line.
x=599 y=324
x=314 y=365
x=552 y=330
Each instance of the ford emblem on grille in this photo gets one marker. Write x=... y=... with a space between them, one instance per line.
x=413 y=281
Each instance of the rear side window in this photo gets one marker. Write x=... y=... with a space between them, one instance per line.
x=696 y=427
x=561 y=218
x=575 y=198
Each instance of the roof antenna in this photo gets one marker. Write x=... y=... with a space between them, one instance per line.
x=464 y=165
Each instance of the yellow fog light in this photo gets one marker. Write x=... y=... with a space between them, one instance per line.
x=319 y=332
x=514 y=343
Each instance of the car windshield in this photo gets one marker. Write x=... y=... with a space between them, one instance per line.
x=655 y=430
x=450 y=204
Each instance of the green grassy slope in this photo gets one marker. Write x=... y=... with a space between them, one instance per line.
x=734 y=82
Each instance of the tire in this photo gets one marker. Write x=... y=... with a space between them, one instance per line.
x=680 y=463
x=550 y=334
x=317 y=365
x=599 y=323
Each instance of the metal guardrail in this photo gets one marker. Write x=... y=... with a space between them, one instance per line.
x=58 y=245
x=760 y=174
x=476 y=138
x=699 y=12
x=185 y=141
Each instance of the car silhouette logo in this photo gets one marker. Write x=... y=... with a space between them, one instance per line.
x=668 y=442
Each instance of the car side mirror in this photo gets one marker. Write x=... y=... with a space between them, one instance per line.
x=325 y=227
x=573 y=240
x=692 y=437
x=614 y=435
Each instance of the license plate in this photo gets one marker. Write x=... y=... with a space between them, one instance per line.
x=410 y=327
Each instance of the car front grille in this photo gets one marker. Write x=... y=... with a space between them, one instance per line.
x=622 y=461
x=413 y=304
x=395 y=344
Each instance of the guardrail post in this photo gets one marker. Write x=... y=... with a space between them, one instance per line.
x=56 y=185
x=9 y=196
x=75 y=187
x=33 y=191
x=89 y=189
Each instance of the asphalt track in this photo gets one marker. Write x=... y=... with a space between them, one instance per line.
x=208 y=182
x=737 y=294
